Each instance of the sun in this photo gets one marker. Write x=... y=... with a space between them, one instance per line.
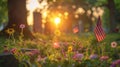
x=57 y=20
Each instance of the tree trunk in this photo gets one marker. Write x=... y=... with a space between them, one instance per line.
x=112 y=11
x=17 y=15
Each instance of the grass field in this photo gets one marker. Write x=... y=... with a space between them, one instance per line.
x=66 y=50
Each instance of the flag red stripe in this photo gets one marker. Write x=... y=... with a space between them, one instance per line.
x=99 y=32
x=102 y=33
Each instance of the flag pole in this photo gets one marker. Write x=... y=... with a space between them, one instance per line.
x=99 y=34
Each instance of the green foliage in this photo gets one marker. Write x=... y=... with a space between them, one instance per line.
x=97 y=2
x=3 y=11
x=106 y=19
x=53 y=57
x=112 y=37
x=117 y=4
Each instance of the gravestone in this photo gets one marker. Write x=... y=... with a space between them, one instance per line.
x=37 y=26
x=8 y=60
x=80 y=24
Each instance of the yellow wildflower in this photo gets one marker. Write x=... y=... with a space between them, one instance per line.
x=10 y=31
x=57 y=32
x=70 y=48
x=51 y=57
x=14 y=25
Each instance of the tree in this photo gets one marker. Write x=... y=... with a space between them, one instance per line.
x=112 y=13
x=113 y=6
x=17 y=15
x=3 y=11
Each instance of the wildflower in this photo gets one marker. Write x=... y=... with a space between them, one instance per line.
x=73 y=65
x=22 y=26
x=59 y=58
x=65 y=44
x=44 y=59
x=86 y=30
x=93 y=56
x=74 y=42
x=34 y=52
x=115 y=63
x=79 y=43
x=59 y=65
x=51 y=57
x=113 y=44
x=70 y=48
x=5 y=49
x=78 y=56
x=80 y=47
x=39 y=58
x=104 y=58
x=13 y=50
x=57 y=33
x=14 y=25
x=10 y=31
x=56 y=45
x=63 y=53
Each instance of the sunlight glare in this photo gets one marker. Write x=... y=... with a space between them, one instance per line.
x=31 y=6
x=57 y=20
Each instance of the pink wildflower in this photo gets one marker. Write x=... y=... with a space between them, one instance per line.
x=22 y=26
x=13 y=50
x=56 y=45
x=34 y=52
x=113 y=44
x=39 y=58
x=104 y=58
x=6 y=51
x=65 y=44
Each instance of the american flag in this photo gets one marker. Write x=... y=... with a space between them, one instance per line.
x=75 y=29
x=99 y=32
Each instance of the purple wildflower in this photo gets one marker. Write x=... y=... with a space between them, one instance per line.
x=115 y=63
x=78 y=56
x=93 y=56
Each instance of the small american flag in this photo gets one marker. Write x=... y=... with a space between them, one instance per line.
x=75 y=29
x=99 y=32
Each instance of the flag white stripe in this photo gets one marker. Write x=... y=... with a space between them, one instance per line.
x=99 y=32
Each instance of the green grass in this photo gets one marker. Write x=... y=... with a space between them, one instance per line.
x=84 y=41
